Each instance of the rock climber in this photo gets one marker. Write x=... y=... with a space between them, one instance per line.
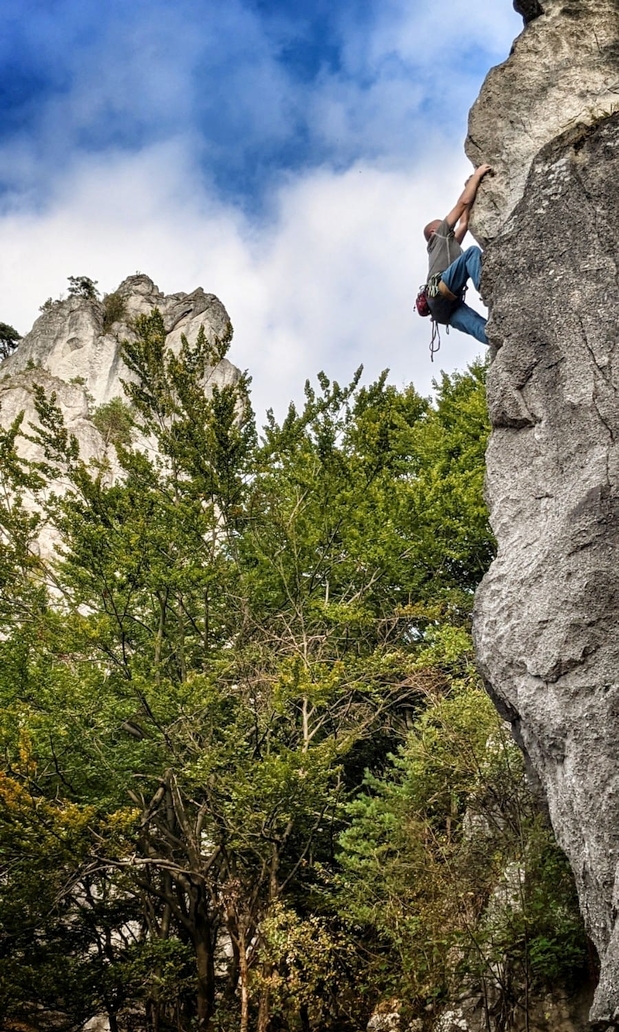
x=450 y=267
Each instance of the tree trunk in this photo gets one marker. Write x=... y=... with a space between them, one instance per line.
x=205 y=966
x=304 y=1015
x=151 y=1016
x=244 y=983
x=263 y=1011
x=113 y=1020
x=204 y=1005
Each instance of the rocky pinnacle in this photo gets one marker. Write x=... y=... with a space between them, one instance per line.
x=74 y=352
x=547 y=613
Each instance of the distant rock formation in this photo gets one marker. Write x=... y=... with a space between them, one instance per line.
x=547 y=613
x=74 y=350
x=71 y=350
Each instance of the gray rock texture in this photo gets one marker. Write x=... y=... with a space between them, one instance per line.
x=547 y=613
x=551 y=1012
x=563 y=70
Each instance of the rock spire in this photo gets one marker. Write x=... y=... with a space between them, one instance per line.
x=74 y=350
x=547 y=613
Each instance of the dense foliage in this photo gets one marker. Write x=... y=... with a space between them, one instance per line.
x=84 y=287
x=249 y=778
x=9 y=339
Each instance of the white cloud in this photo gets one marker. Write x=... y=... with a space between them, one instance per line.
x=328 y=284
x=218 y=70
x=421 y=34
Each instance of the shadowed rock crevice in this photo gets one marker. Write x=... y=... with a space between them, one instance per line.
x=529 y=9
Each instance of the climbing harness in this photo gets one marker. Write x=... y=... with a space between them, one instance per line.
x=430 y=290
x=436 y=288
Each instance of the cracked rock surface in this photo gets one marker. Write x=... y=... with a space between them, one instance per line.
x=563 y=70
x=547 y=613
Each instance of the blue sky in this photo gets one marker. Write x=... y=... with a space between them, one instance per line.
x=280 y=154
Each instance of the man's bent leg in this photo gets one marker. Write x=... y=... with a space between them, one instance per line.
x=467 y=320
x=467 y=266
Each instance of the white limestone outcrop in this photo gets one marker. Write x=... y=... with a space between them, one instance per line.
x=563 y=70
x=70 y=351
x=70 y=342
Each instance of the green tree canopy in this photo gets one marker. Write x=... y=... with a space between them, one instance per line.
x=83 y=286
x=9 y=339
x=202 y=690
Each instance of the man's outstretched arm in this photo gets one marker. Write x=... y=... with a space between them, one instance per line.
x=463 y=225
x=468 y=195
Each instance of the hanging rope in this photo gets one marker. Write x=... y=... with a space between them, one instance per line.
x=435 y=342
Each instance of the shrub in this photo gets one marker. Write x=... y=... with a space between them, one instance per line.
x=114 y=421
x=84 y=287
x=9 y=339
x=114 y=308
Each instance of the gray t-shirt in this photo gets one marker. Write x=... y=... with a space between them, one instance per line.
x=443 y=249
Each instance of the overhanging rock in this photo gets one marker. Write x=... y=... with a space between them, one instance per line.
x=563 y=70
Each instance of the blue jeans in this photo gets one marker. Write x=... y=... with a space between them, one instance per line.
x=464 y=318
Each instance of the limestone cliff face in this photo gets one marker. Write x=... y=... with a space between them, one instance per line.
x=71 y=341
x=563 y=70
x=72 y=351
x=547 y=613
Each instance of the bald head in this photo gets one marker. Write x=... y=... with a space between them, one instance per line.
x=431 y=228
